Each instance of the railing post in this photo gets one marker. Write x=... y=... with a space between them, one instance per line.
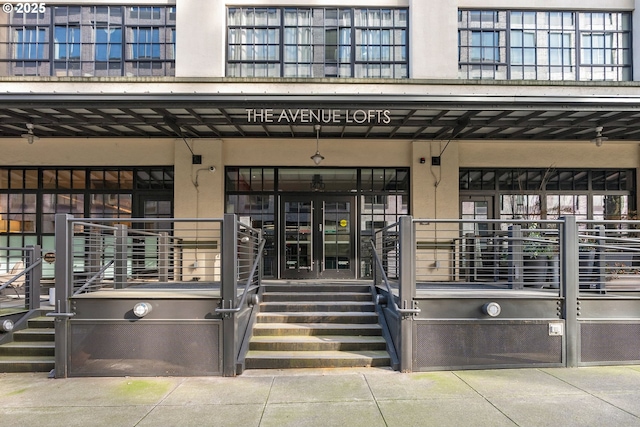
x=515 y=261
x=95 y=244
x=406 y=291
x=32 y=289
x=228 y=292
x=120 y=256
x=163 y=257
x=599 y=262
x=570 y=287
x=63 y=286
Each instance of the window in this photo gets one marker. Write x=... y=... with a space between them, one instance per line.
x=108 y=44
x=552 y=193
x=66 y=42
x=90 y=41
x=145 y=43
x=605 y=46
x=317 y=42
x=31 y=197
x=544 y=45
x=30 y=43
x=485 y=46
x=482 y=44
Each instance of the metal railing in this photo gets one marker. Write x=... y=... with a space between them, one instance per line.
x=109 y=253
x=380 y=275
x=609 y=256
x=488 y=253
x=21 y=270
x=250 y=247
x=509 y=254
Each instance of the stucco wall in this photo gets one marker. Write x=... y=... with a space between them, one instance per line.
x=87 y=152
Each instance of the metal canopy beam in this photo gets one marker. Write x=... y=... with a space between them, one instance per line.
x=412 y=116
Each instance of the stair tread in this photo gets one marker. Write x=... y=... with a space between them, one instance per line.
x=26 y=359
x=27 y=344
x=350 y=293
x=333 y=354
x=298 y=325
x=338 y=303
x=36 y=331
x=318 y=313
x=319 y=338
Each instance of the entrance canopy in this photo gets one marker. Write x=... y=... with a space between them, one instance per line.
x=360 y=109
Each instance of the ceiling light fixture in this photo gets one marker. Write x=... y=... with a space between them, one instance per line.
x=317 y=158
x=599 y=139
x=29 y=136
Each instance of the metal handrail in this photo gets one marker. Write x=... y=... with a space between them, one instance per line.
x=404 y=311
x=22 y=273
x=247 y=288
x=93 y=278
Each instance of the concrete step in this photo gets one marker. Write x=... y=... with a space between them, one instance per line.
x=316 y=329
x=35 y=334
x=317 y=288
x=313 y=306
x=316 y=296
x=356 y=317
x=28 y=348
x=41 y=322
x=317 y=343
x=26 y=363
x=315 y=359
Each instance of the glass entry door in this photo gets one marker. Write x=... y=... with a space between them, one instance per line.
x=318 y=237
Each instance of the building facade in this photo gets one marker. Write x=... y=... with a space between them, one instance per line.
x=316 y=123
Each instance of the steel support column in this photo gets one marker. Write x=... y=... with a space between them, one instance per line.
x=63 y=286
x=570 y=287
x=228 y=291
x=407 y=288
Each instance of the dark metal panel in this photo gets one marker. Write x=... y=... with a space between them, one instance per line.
x=611 y=307
x=482 y=344
x=609 y=342
x=110 y=348
x=121 y=308
x=470 y=307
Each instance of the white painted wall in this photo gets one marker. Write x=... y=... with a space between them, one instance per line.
x=433 y=39
x=200 y=38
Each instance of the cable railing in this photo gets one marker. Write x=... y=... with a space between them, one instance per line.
x=109 y=253
x=609 y=253
x=21 y=271
x=512 y=254
x=490 y=254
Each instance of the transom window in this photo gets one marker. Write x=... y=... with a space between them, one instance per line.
x=317 y=42
x=544 y=45
x=89 y=41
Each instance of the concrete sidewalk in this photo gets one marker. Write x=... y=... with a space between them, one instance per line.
x=595 y=396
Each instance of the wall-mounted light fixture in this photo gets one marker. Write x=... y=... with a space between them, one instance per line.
x=317 y=158
x=29 y=136
x=599 y=139
x=491 y=309
x=7 y=325
x=141 y=309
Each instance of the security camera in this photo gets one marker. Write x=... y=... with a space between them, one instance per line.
x=212 y=168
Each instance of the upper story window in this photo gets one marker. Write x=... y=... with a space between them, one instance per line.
x=89 y=41
x=317 y=42
x=544 y=45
